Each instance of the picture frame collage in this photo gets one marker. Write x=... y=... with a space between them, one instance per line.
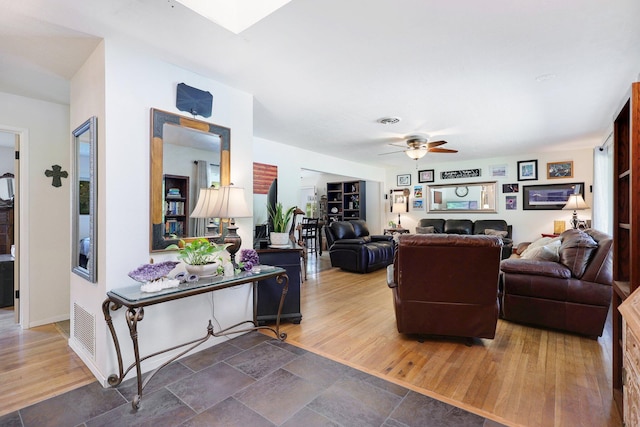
x=526 y=170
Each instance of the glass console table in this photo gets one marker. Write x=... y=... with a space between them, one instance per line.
x=135 y=301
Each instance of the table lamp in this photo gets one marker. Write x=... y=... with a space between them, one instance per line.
x=399 y=206
x=231 y=204
x=575 y=203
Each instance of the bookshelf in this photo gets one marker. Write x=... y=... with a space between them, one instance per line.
x=176 y=205
x=346 y=200
x=626 y=223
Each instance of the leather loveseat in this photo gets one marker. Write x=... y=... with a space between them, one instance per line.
x=353 y=248
x=446 y=284
x=496 y=227
x=572 y=293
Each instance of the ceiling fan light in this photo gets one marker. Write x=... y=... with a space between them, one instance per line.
x=416 y=153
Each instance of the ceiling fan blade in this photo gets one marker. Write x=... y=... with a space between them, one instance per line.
x=391 y=152
x=442 y=150
x=435 y=143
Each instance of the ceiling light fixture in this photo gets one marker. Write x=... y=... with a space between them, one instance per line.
x=416 y=153
x=389 y=120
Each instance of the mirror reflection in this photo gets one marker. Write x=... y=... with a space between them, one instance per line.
x=186 y=155
x=467 y=197
x=6 y=189
x=85 y=200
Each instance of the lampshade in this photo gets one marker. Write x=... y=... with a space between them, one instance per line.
x=207 y=199
x=575 y=203
x=230 y=203
x=400 y=207
x=416 y=153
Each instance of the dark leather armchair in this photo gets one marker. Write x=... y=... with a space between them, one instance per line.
x=572 y=294
x=352 y=248
x=446 y=284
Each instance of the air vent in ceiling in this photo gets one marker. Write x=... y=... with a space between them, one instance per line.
x=389 y=120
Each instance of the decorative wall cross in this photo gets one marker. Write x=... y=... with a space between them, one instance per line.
x=56 y=173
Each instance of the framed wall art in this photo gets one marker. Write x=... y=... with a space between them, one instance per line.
x=527 y=170
x=549 y=196
x=403 y=180
x=560 y=170
x=426 y=175
x=498 y=171
x=510 y=188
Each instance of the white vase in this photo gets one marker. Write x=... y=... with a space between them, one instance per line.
x=205 y=270
x=279 y=239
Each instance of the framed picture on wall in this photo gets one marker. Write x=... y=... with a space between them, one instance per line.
x=528 y=170
x=550 y=196
x=404 y=179
x=426 y=175
x=559 y=170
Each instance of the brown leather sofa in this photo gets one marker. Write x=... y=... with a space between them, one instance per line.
x=572 y=294
x=446 y=284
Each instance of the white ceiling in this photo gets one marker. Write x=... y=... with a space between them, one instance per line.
x=492 y=77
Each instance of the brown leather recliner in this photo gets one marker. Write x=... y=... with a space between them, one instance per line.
x=446 y=284
x=572 y=294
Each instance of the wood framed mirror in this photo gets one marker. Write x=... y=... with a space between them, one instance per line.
x=477 y=197
x=186 y=154
x=85 y=201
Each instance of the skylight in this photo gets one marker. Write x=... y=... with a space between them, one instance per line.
x=236 y=16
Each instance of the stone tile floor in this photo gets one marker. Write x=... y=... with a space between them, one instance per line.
x=249 y=381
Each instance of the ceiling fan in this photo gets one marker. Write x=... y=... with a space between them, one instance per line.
x=418 y=146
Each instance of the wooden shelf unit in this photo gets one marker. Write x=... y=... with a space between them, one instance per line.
x=176 y=206
x=626 y=220
x=346 y=200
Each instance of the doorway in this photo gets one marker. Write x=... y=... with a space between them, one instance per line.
x=9 y=222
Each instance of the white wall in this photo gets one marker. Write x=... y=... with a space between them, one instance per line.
x=291 y=160
x=45 y=210
x=527 y=224
x=134 y=83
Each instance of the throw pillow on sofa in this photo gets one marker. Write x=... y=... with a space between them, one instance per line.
x=548 y=252
x=425 y=230
x=575 y=250
x=492 y=232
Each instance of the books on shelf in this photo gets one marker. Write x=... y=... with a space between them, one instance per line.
x=175 y=208
x=173 y=226
x=173 y=193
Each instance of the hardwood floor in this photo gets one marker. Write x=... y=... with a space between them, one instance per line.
x=36 y=364
x=525 y=376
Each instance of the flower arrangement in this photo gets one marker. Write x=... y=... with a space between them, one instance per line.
x=199 y=251
x=248 y=259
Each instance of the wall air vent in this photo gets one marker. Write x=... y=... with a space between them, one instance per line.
x=84 y=329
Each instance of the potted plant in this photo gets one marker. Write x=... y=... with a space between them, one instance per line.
x=201 y=257
x=280 y=219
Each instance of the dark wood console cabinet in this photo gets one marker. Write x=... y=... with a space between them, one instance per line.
x=6 y=229
x=269 y=290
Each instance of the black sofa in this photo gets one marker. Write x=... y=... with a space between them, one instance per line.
x=466 y=226
x=353 y=248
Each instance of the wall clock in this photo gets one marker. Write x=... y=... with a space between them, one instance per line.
x=462 y=191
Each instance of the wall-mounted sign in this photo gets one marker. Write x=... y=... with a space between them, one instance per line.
x=464 y=173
